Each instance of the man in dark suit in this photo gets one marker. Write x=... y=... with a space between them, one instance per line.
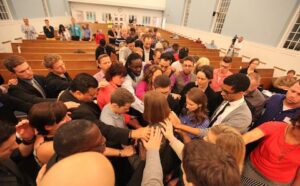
x=148 y=52
x=58 y=78
x=30 y=88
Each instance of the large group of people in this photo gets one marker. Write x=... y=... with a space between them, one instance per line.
x=141 y=117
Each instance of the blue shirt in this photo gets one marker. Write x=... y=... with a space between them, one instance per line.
x=187 y=120
x=75 y=30
x=274 y=110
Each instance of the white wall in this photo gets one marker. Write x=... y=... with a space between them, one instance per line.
x=10 y=30
x=145 y=4
x=174 y=11
x=116 y=10
x=272 y=56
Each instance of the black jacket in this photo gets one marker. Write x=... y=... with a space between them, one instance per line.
x=55 y=84
x=27 y=92
x=49 y=33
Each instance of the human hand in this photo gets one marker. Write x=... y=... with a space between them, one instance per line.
x=127 y=151
x=175 y=120
x=167 y=129
x=141 y=133
x=176 y=96
x=155 y=139
x=71 y=104
x=25 y=130
x=12 y=82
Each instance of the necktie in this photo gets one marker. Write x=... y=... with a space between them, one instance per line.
x=38 y=88
x=218 y=114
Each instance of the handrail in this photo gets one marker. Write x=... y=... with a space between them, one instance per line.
x=278 y=68
x=4 y=42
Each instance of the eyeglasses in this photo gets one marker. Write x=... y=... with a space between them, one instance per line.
x=227 y=92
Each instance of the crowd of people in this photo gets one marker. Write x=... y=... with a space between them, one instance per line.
x=147 y=113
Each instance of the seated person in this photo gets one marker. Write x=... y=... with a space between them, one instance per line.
x=221 y=73
x=282 y=84
x=58 y=79
x=114 y=112
x=115 y=76
x=281 y=141
x=253 y=64
x=104 y=63
x=147 y=83
x=181 y=78
x=30 y=88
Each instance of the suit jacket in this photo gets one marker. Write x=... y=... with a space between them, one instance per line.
x=240 y=118
x=90 y=111
x=150 y=55
x=55 y=84
x=27 y=92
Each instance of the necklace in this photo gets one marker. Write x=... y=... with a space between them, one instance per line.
x=286 y=151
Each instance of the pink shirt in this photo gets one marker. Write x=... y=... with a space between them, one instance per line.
x=217 y=81
x=104 y=94
x=99 y=76
x=274 y=158
x=141 y=89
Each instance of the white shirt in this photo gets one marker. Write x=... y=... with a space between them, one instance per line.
x=233 y=105
x=177 y=65
x=130 y=85
x=147 y=55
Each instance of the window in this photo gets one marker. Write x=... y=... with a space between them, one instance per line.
x=186 y=12
x=4 y=15
x=221 y=15
x=293 y=39
x=106 y=17
x=146 y=20
x=90 y=16
x=132 y=19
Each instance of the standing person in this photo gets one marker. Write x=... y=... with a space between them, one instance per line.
x=195 y=113
x=75 y=30
x=48 y=31
x=177 y=65
x=58 y=79
x=112 y=35
x=63 y=33
x=28 y=30
x=99 y=35
x=148 y=51
x=86 y=33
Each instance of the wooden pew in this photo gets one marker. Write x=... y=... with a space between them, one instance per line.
x=40 y=56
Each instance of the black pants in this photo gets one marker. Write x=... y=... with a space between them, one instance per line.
x=75 y=38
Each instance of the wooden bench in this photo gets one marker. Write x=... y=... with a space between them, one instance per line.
x=40 y=56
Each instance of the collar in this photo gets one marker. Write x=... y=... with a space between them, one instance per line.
x=237 y=102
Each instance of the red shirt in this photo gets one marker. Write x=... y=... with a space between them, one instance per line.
x=98 y=37
x=104 y=94
x=274 y=158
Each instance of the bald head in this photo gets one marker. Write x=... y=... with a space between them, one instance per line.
x=87 y=168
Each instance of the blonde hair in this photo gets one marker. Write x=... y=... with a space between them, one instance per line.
x=230 y=140
x=156 y=107
x=202 y=61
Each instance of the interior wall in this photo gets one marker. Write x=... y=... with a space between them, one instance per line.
x=259 y=21
x=117 y=11
x=174 y=11
x=200 y=16
x=145 y=4
x=272 y=56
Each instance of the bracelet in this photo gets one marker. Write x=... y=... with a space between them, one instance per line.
x=29 y=142
x=120 y=153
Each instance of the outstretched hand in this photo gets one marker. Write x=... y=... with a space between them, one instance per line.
x=155 y=139
x=25 y=130
x=167 y=129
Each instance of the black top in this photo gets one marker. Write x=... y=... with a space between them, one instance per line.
x=26 y=92
x=213 y=99
x=244 y=71
x=49 y=32
x=112 y=34
x=1 y=80
x=104 y=50
x=8 y=105
x=151 y=54
x=174 y=104
x=55 y=84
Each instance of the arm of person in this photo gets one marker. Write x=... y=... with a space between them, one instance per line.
x=45 y=151
x=19 y=93
x=253 y=135
x=137 y=104
x=27 y=134
x=140 y=90
x=153 y=174
x=125 y=152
